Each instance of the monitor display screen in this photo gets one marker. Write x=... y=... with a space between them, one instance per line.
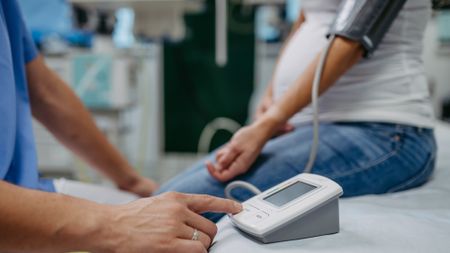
x=289 y=193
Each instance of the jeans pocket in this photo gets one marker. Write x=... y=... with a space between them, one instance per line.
x=362 y=149
x=425 y=167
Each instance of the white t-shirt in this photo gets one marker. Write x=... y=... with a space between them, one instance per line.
x=389 y=87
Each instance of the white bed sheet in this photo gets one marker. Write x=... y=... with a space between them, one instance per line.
x=417 y=220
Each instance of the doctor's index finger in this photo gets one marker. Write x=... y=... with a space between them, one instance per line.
x=206 y=203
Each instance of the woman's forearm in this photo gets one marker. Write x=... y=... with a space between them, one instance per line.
x=342 y=56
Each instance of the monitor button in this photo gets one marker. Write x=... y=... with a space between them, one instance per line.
x=253 y=217
x=260 y=216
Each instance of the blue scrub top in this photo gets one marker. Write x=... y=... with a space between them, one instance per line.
x=18 y=162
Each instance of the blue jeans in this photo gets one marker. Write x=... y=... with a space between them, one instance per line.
x=364 y=158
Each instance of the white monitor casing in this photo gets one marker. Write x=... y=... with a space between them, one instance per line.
x=261 y=218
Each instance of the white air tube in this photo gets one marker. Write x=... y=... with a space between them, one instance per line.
x=315 y=105
x=240 y=184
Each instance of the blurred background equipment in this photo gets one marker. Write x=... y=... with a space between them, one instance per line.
x=154 y=18
x=441 y=4
x=443 y=19
x=53 y=28
x=446 y=109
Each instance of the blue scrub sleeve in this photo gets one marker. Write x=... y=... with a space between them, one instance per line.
x=29 y=47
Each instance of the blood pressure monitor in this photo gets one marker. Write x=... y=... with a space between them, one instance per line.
x=301 y=207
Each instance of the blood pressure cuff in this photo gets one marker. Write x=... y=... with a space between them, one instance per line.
x=366 y=21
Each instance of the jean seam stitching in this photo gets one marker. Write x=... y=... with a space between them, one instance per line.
x=367 y=167
x=415 y=177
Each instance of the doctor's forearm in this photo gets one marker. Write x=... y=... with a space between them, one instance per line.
x=57 y=107
x=34 y=221
x=342 y=56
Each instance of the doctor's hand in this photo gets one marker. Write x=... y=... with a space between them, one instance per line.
x=166 y=223
x=139 y=185
x=236 y=157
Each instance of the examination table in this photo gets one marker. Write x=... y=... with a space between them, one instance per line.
x=412 y=221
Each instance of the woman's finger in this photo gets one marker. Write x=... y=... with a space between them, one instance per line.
x=220 y=153
x=288 y=127
x=210 y=166
x=242 y=164
x=212 y=170
x=227 y=159
x=219 y=175
x=222 y=175
x=284 y=130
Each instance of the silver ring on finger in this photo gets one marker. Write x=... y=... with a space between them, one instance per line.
x=195 y=235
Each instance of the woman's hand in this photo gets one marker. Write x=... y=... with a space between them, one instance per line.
x=165 y=223
x=236 y=157
x=263 y=107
